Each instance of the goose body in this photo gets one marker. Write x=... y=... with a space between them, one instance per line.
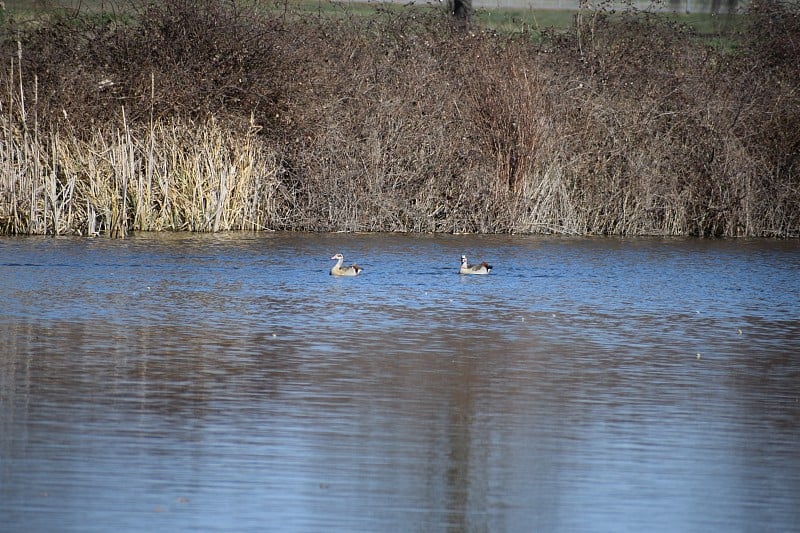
x=483 y=268
x=339 y=270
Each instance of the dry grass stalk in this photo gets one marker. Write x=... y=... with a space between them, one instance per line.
x=398 y=123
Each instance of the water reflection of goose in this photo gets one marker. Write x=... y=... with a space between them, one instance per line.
x=338 y=270
x=483 y=268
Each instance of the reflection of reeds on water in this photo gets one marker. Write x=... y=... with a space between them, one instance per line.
x=258 y=123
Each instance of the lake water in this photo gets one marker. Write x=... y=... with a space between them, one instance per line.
x=187 y=382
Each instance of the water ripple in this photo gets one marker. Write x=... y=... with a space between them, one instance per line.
x=218 y=382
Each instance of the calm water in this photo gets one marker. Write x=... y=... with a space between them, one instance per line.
x=228 y=383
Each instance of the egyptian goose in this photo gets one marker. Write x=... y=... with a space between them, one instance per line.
x=338 y=270
x=483 y=268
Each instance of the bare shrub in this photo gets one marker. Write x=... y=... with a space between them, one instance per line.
x=193 y=58
x=202 y=116
x=659 y=118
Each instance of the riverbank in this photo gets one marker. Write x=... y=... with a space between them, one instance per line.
x=209 y=117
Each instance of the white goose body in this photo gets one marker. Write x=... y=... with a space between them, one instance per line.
x=483 y=268
x=339 y=270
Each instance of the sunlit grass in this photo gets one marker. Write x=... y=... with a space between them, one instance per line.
x=501 y=20
x=329 y=117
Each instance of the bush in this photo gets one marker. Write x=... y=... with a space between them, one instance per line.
x=399 y=121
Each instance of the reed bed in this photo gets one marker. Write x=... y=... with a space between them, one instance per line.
x=173 y=176
x=208 y=116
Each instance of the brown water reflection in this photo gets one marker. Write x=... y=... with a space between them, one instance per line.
x=184 y=383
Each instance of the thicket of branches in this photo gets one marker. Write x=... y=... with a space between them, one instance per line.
x=205 y=115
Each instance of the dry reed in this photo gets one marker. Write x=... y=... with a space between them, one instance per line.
x=202 y=116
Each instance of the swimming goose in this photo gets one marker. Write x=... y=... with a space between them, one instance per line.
x=338 y=270
x=483 y=268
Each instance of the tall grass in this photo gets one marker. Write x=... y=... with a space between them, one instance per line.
x=176 y=176
x=209 y=116
x=173 y=174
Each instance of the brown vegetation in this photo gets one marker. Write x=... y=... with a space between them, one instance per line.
x=206 y=116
